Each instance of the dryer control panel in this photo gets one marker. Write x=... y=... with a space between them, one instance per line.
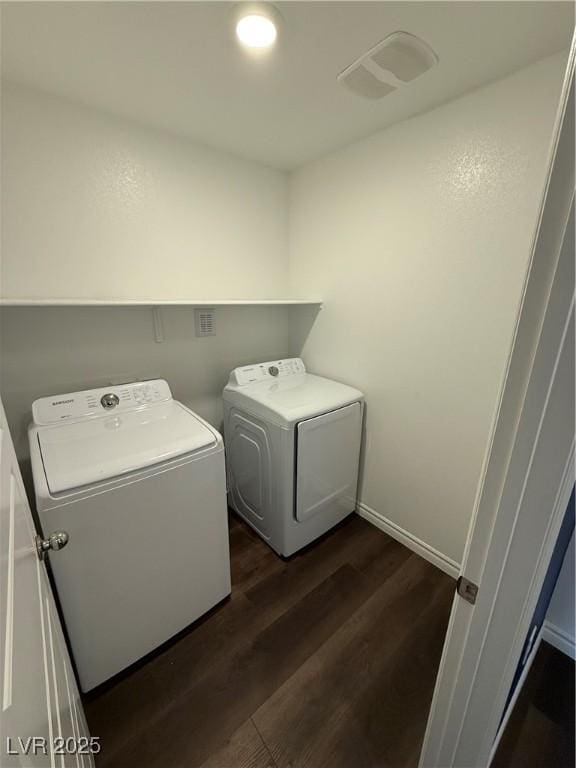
x=97 y=402
x=249 y=374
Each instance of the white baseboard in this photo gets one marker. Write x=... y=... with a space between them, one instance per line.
x=446 y=564
x=559 y=639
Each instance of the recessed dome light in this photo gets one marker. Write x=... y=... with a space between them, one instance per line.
x=256 y=31
x=256 y=25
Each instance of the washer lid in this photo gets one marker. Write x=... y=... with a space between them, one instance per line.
x=294 y=398
x=83 y=452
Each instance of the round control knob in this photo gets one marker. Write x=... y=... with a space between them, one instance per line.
x=110 y=400
x=273 y=370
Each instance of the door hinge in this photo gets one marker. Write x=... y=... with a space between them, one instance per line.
x=467 y=589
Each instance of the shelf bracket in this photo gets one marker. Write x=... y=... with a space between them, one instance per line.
x=158 y=325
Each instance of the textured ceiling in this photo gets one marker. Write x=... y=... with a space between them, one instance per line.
x=176 y=65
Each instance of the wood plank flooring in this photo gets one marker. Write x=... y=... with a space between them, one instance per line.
x=540 y=731
x=327 y=659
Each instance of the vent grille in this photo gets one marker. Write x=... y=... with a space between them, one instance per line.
x=389 y=65
x=205 y=322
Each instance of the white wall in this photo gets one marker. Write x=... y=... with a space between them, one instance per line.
x=62 y=349
x=418 y=240
x=559 y=628
x=95 y=206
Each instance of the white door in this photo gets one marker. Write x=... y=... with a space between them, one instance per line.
x=528 y=477
x=327 y=455
x=41 y=721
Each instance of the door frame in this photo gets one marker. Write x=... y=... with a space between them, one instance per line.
x=529 y=461
x=42 y=720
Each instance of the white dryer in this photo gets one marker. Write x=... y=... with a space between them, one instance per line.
x=138 y=482
x=293 y=447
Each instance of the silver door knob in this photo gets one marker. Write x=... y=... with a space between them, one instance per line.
x=55 y=541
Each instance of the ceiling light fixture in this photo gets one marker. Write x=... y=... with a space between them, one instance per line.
x=256 y=25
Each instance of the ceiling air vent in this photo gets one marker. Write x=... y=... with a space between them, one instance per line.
x=205 y=322
x=389 y=65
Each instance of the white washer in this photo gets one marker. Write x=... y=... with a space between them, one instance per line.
x=138 y=482
x=292 y=447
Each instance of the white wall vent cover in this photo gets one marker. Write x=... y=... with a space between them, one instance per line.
x=205 y=322
x=393 y=62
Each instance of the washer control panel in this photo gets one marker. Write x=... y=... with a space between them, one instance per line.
x=96 y=402
x=248 y=374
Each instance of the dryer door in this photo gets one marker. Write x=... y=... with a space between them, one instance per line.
x=328 y=452
x=249 y=469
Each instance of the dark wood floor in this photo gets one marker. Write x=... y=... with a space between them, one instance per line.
x=327 y=659
x=540 y=732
